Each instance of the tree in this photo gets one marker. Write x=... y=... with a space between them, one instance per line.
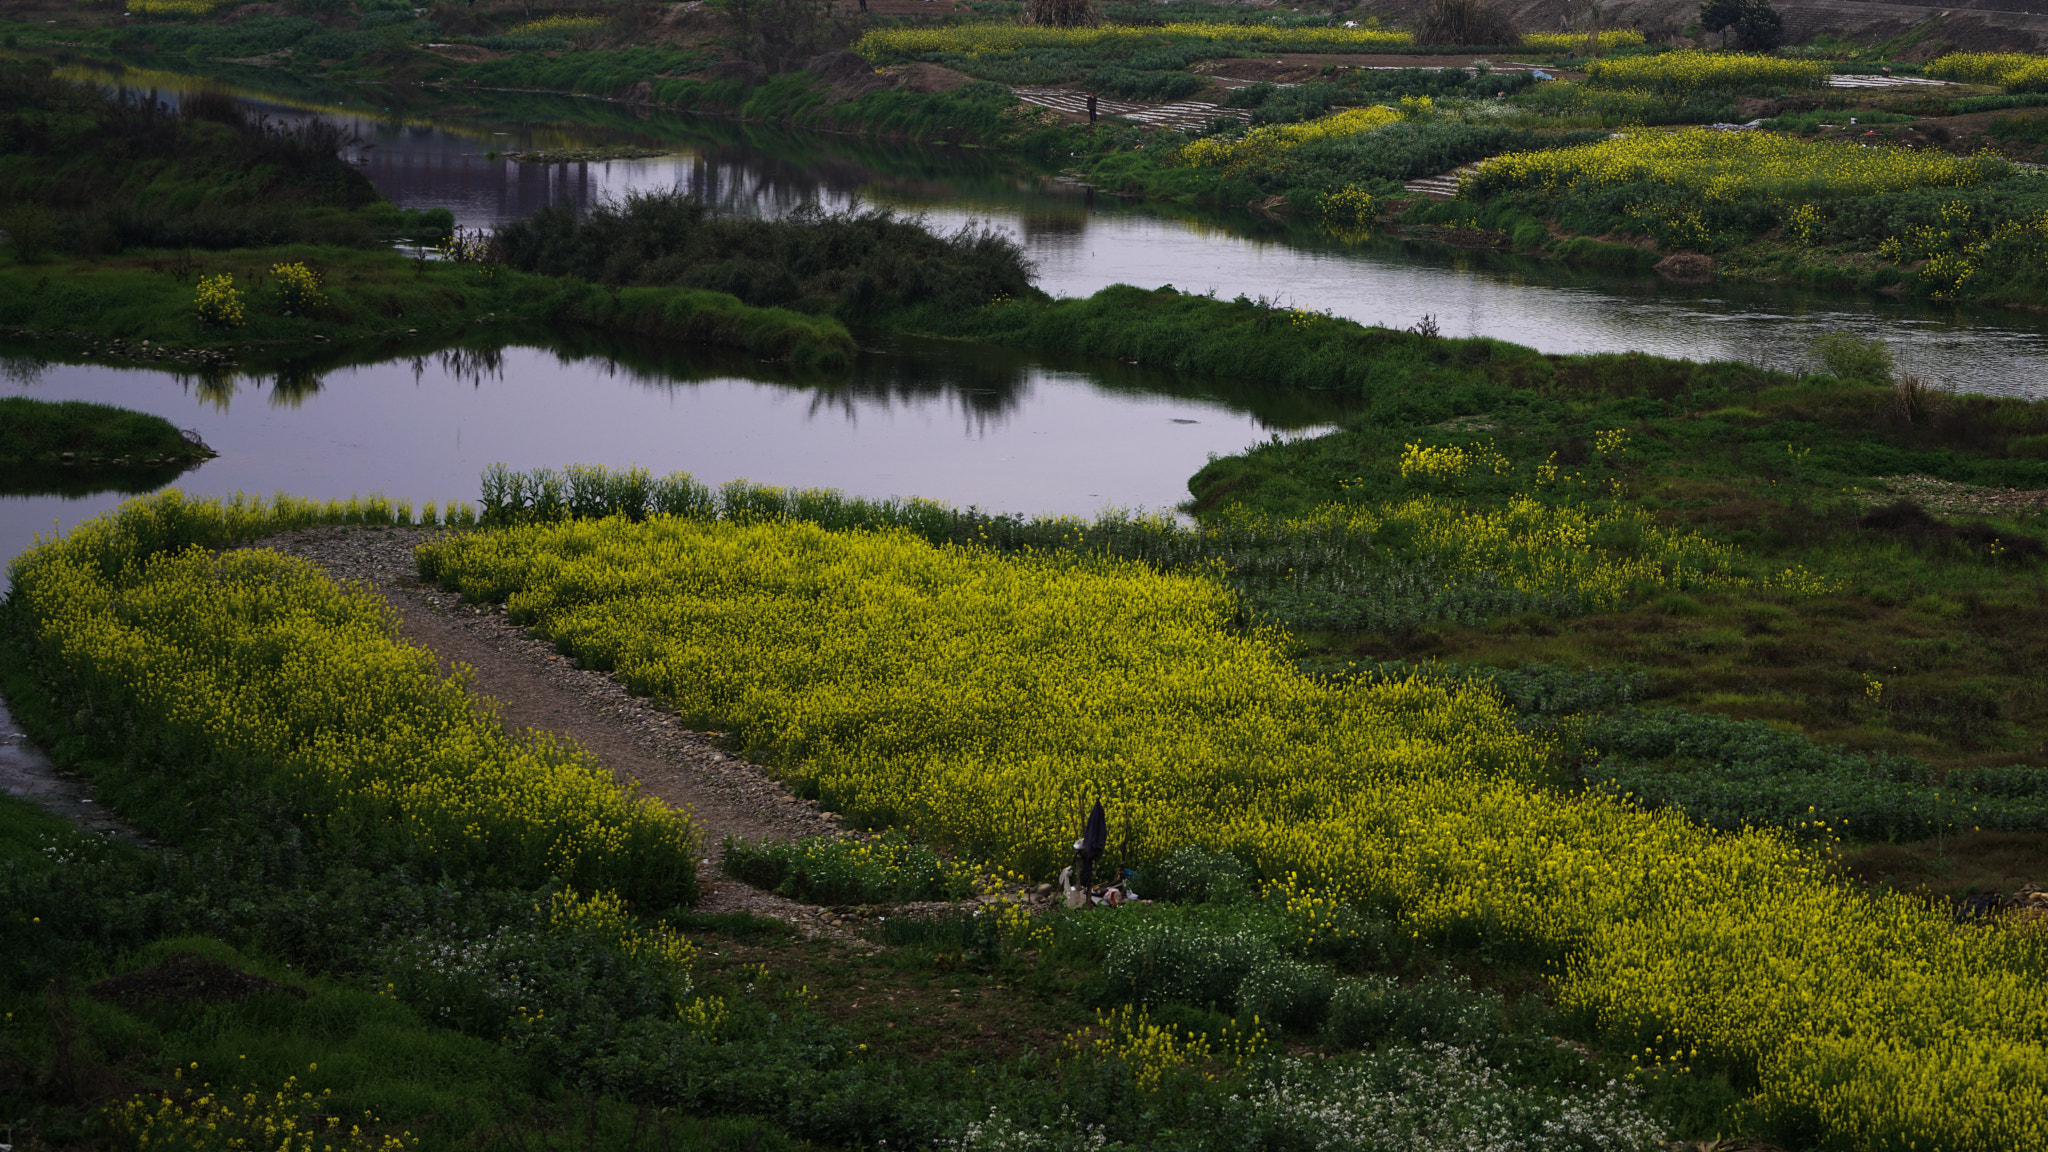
x=1062 y=13
x=1757 y=25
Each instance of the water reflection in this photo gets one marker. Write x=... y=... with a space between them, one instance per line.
x=994 y=427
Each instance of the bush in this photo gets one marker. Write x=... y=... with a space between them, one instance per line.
x=1851 y=357
x=1177 y=962
x=882 y=869
x=1287 y=993
x=1193 y=876
x=1371 y=1011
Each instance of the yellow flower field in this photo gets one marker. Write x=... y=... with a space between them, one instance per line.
x=1690 y=71
x=559 y=24
x=254 y=659
x=979 y=698
x=1263 y=143
x=1575 y=41
x=2005 y=69
x=175 y=7
x=1730 y=166
x=979 y=38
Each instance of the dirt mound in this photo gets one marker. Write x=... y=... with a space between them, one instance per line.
x=465 y=53
x=926 y=78
x=1686 y=266
x=1906 y=519
x=852 y=77
x=185 y=977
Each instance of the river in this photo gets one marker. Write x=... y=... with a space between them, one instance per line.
x=1003 y=430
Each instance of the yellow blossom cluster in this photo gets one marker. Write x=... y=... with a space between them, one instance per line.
x=1264 y=143
x=2005 y=69
x=983 y=38
x=1690 y=71
x=1606 y=39
x=246 y=1119
x=559 y=24
x=175 y=7
x=1453 y=462
x=219 y=302
x=603 y=918
x=971 y=695
x=1729 y=166
x=1154 y=1050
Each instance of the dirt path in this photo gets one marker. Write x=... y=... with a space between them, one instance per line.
x=536 y=688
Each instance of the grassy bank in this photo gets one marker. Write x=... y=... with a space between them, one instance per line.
x=114 y=305
x=43 y=433
x=74 y=447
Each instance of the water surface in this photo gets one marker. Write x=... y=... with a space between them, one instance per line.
x=988 y=427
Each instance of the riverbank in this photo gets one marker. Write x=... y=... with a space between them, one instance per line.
x=145 y=307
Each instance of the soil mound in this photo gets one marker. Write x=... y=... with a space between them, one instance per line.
x=185 y=977
x=926 y=78
x=1908 y=520
x=1686 y=266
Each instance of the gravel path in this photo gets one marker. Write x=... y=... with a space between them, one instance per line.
x=536 y=688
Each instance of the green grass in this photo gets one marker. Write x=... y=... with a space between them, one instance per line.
x=41 y=432
x=375 y=296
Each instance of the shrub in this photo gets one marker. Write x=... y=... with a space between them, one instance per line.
x=1192 y=875
x=1288 y=994
x=849 y=869
x=1851 y=357
x=219 y=302
x=1179 y=962
x=298 y=288
x=1371 y=1011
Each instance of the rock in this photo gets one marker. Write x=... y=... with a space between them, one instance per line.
x=1043 y=890
x=642 y=93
